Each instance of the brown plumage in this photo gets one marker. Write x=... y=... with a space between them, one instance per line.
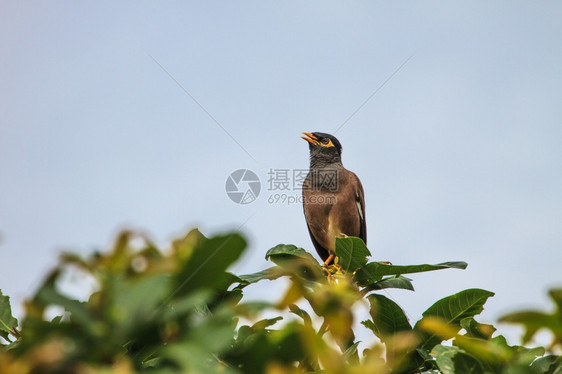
x=333 y=198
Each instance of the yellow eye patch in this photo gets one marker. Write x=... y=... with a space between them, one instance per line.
x=329 y=144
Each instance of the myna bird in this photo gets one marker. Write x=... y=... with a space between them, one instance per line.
x=333 y=198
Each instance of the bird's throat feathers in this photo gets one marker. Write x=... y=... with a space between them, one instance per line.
x=321 y=159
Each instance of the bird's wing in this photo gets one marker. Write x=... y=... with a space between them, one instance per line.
x=360 y=201
x=316 y=218
x=324 y=253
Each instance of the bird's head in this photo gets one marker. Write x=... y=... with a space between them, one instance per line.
x=325 y=149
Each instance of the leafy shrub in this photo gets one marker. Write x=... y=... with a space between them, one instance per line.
x=181 y=311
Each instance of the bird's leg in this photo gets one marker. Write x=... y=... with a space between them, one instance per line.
x=326 y=265
x=331 y=267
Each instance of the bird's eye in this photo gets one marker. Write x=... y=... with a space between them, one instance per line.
x=325 y=141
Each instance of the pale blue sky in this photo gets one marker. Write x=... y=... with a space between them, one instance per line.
x=459 y=153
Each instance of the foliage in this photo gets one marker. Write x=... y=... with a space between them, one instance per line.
x=534 y=320
x=181 y=311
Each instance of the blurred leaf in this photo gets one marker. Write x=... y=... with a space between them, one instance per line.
x=190 y=357
x=183 y=247
x=206 y=267
x=492 y=354
x=556 y=295
x=261 y=325
x=350 y=353
x=198 y=349
x=424 y=353
x=48 y=295
x=284 y=251
x=334 y=302
x=178 y=311
x=216 y=331
x=254 y=349
x=301 y=313
x=136 y=300
x=477 y=330
x=387 y=317
x=532 y=321
x=293 y=294
x=252 y=309
x=401 y=353
x=122 y=242
x=119 y=258
x=75 y=259
x=453 y=360
x=352 y=253
x=525 y=356
x=185 y=305
x=8 y=323
x=271 y=273
x=452 y=310
x=547 y=365
x=296 y=260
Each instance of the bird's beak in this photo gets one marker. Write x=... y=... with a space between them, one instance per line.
x=310 y=138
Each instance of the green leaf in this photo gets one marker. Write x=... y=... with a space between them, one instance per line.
x=391 y=282
x=254 y=350
x=351 y=354
x=374 y=271
x=198 y=350
x=183 y=306
x=301 y=313
x=556 y=295
x=424 y=354
x=477 y=330
x=547 y=365
x=206 y=266
x=452 y=310
x=533 y=321
x=136 y=300
x=453 y=360
x=251 y=309
x=286 y=251
x=49 y=295
x=264 y=323
x=556 y=367
x=352 y=253
x=271 y=273
x=527 y=355
x=387 y=317
x=296 y=261
x=7 y=322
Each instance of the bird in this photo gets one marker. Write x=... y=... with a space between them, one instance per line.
x=333 y=197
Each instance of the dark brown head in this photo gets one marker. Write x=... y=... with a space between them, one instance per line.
x=325 y=149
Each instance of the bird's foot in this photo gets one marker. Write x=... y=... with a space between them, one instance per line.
x=332 y=268
x=333 y=272
x=329 y=259
x=385 y=262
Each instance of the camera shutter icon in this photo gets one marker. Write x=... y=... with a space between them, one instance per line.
x=243 y=186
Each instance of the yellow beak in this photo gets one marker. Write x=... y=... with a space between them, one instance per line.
x=310 y=138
